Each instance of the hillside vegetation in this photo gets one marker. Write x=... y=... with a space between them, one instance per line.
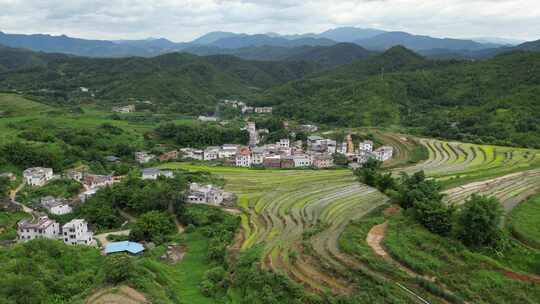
x=495 y=101
x=185 y=83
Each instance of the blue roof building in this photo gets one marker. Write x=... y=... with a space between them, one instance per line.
x=125 y=246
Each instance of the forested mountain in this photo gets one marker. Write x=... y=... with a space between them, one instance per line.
x=418 y=42
x=271 y=45
x=69 y=45
x=183 y=82
x=496 y=101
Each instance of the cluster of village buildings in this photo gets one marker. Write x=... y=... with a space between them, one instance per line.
x=245 y=109
x=317 y=152
x=75 y=232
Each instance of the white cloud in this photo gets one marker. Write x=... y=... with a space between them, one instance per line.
x=184 y=20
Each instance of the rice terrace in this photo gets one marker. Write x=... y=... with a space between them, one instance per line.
x=302 y=219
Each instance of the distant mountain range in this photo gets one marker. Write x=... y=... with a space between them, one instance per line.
x=269 y=46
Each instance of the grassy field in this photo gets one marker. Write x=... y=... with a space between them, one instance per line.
x=473 y=276
x=178 y=283
x=524 y=222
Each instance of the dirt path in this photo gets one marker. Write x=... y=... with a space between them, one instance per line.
x=117 y=295
x=13 y=196
x=374 y=239
x=102 y=238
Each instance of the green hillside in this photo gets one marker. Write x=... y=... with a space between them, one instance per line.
x=185 y=83
x=495 y=101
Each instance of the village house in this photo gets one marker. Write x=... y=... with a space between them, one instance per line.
x=261 y=110
x=124 y=109
x=243 y=157
x=211 y=153
x=76 y=232
x=90 y=181
x=190 y=153
x=74 y=174
x=308 y=128
x=171 y=155
x=287 y=162
x=302 y=160
x=143 y=157
x=257 y=155
x=154 y=173
x=83 y=197
x=383 y=153
x=323 y=161
x=228 y=151
x=41 y=227
x=37 y=176
x=84 y=90
x=56 y=206
x=207 y=194
x=272 y=161
x=331 y=146
x=207 y=118
x=284 y=143
x=366 y=145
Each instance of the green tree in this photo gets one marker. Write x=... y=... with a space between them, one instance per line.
x=153 y=226
x=118 y=268
x=479 y=221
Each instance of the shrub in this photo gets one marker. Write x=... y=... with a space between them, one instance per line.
x=479 y=221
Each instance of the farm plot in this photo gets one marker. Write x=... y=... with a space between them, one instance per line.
x=510 y=189
x=298 y=216
x=455 y=163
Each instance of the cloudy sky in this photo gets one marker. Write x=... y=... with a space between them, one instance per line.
x=184 y=20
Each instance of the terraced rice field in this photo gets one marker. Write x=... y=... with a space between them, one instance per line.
x=510 y=189
x=298 y=216
x=457 y=163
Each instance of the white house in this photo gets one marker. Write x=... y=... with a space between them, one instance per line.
x=284 y=143
x=124 y=109
x=37 y=176
x=56 y=206
x=211 y=153
x=262 y=110
x=257 y=155
x=302 y=160
x=207 y=194
x=228 y=151
x=143 y=157
x=207 y=118
x=192 y=153
x=42 y=227
x=75 y=232
x=243 y=157
x=331 y=146
x=366 y=145
x=383 y=153
x=154 y=173
x=87 y=194
x=74 y=174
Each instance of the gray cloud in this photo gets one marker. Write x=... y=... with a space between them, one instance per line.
x=186 y=19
